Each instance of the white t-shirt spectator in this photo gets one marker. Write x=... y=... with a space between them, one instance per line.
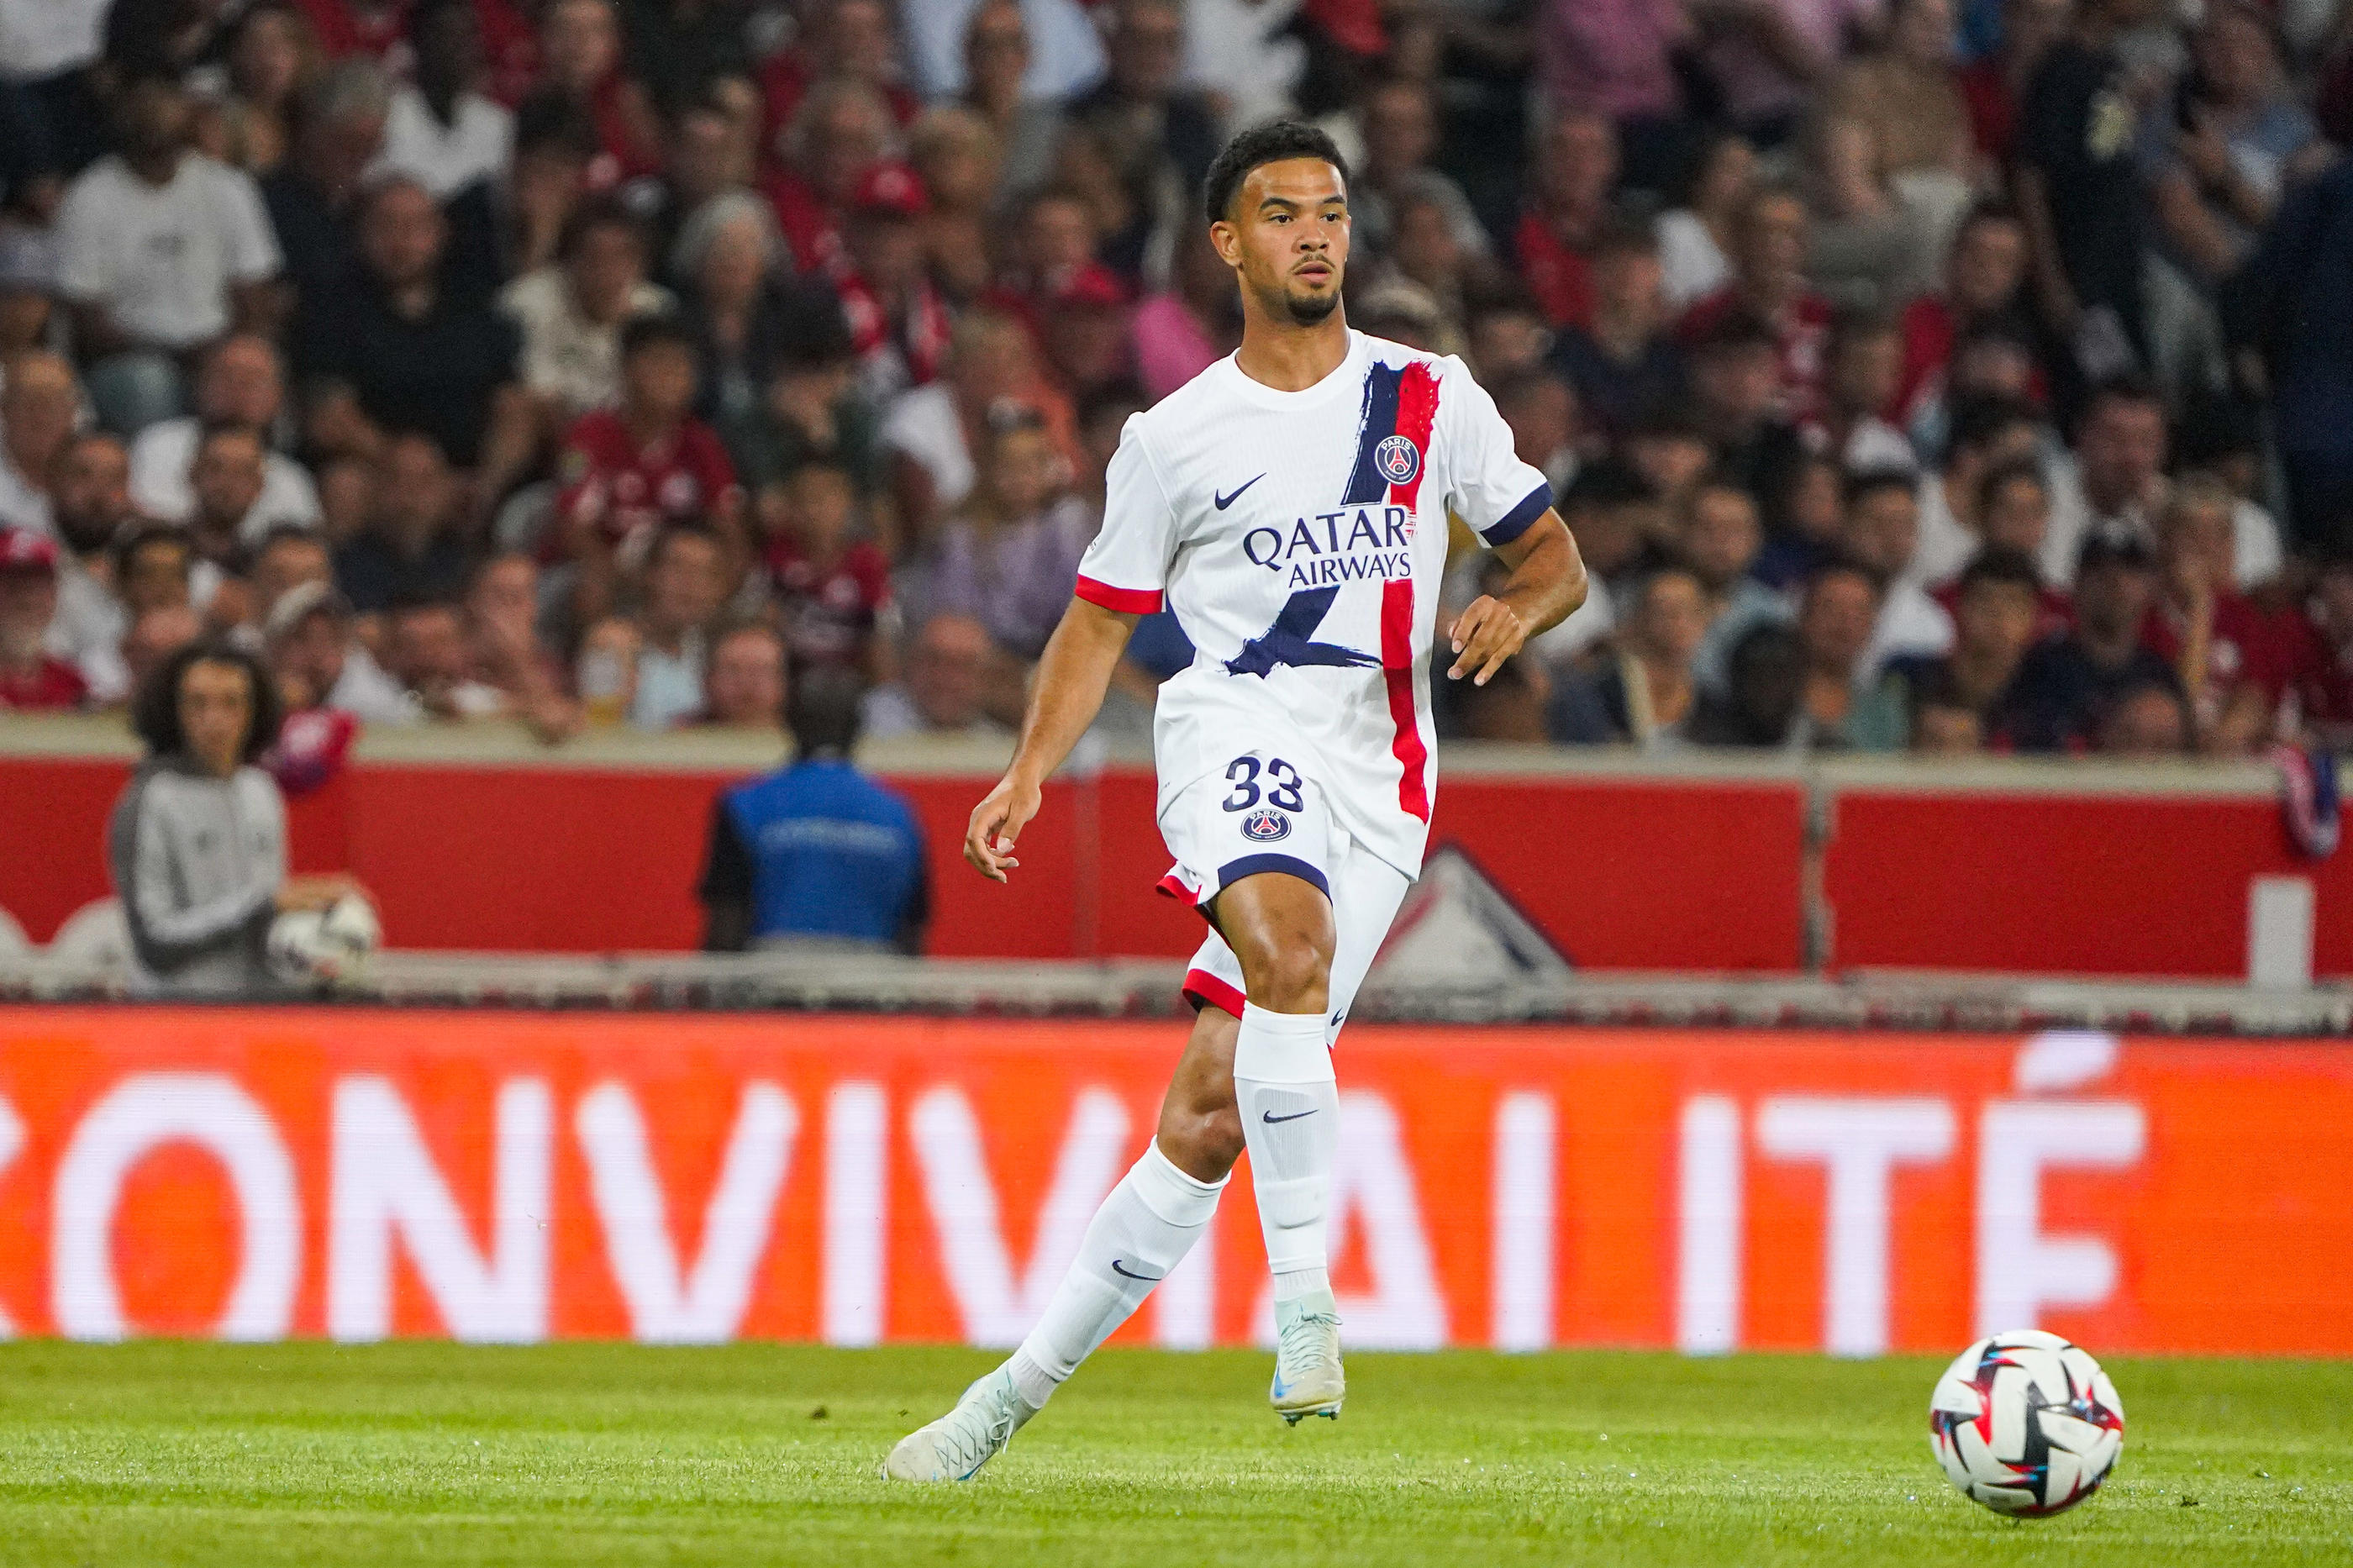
x=923 y=425
x=163 y=455
x=1066 y=52
x=1910 y=623
x=161 y=258
x=669 y=685
x=445 y=159
x=88 y=631
x=2256 y=556
x=566 y=357
x=22 y=506
x=42 y=37
x=1691 y=263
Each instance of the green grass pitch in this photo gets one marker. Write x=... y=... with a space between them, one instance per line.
x=314 y=1455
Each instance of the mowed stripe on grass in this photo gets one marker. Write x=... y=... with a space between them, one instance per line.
x=318 y=1455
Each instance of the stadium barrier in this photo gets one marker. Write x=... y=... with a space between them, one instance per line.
x=257 y=1173
x=478 y=840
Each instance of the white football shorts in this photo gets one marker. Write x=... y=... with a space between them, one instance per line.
x=1261 y=814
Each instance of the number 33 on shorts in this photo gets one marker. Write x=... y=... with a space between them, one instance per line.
x=1260 y=815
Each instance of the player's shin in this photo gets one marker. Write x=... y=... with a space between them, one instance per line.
x=1142 y=1230
x=1289 y=1106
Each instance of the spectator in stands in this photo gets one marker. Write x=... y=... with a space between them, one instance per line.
x=1507 y=336
x=2233 y=662
x=32 y=679
x=506 y=652
x=1735 y=399
x=1883 y=537
x=1758 y=706
x=1008 y=555
x=1805 y=515
x=931 y=432
x=2148 y=719
x=1646 y=693
x=898 y=320
x=39 y=401
x=1085 y=334
x=1398 y=122
x=999 y=86
x=425 y=655
x=1568 y=208
x=949 y=669
x=315 y=196
x=411 y=548
x=2292 y=311
x=684 y=591
x=571 y=315
x=2326 y=695
x=1542 y=413
x=1617 y=519
x=1995 y=82
x=1160 y=135
x=580 y=48
x=1985 y=283
x=1697 y=236
x=440 y=131
x=318 y=661
x=154 y=636
x=1837 y=622
x=399 y=352
x=2067 y=686
x=1624 y=364
x=515 y=225
x=833 y=593
x=1987 y=434
x=809 y=406
x=286 y=558
x=240 y=383
x=1182 y=332
x=1865 y=354
x=726 y=255
x=1717 y=543
x=1997 y=612
x=271 y=57
x=197 y=843
x=744 y=686
x=816 y=851
x=156 y=567
x=1769 y=284
x=1941 y=724
x=162 y=252
x=630 y=471
x=954 y=151
x=2082 y=207
x=227 y=480
x=89 y=507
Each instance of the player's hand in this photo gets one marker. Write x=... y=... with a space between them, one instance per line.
x=1484 y=635
x=997 y=822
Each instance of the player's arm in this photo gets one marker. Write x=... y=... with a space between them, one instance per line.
x=1547 y=584
x=1071 y=680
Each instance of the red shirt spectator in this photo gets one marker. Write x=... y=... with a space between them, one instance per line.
x=623 y=489
x=1577 y=167
x=376 y=29
x=30 y=678
x=1801 y=333
x=2054 y=608
x=832 y=591
x=510 y=50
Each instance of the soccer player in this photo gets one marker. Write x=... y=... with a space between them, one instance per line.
x=1290 y=506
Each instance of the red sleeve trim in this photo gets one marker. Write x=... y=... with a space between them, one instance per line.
x=1127 y=600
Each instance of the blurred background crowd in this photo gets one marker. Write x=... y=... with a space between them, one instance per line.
x=1948 y=375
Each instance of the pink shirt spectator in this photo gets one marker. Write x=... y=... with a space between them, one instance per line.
x=1609 y=55
x=1170 y=347
x=1755 y=85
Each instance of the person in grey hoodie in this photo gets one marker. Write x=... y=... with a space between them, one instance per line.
x=197 y=844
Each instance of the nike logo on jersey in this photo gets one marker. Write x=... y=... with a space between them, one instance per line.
x=1271 y=1119
x=1224 y=502
x=1119 y=1266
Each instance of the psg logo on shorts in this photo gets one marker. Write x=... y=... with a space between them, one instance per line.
x=1265 y=826
x=1397 y=460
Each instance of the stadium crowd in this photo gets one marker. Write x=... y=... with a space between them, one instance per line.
x=1941 y=374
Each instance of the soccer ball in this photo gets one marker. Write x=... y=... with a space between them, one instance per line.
x=329 y=946
x=2026 y=1424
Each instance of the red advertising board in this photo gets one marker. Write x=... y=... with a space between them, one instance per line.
x=359 y=1175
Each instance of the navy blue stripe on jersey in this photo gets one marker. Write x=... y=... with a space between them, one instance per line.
x=1366 y=483
x=1233 y=872
x=1286 y=641
x=1520 y=519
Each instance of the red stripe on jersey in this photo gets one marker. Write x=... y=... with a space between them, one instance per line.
x=1417 y=416
x=1397 y=670
x=1127 y=600
x=1205 y=988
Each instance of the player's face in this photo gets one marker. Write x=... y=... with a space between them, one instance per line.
x=1287 y=236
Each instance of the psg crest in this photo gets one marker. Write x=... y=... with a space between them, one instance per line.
x=1265 y=826
x=1397 y=460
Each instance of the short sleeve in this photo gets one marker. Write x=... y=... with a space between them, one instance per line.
x=1492 y=490
x=252 y=244
x=1127 y=565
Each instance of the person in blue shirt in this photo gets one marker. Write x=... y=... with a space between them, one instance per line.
x=815 y=849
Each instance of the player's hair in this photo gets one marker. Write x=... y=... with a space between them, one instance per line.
x=1997 y=565
x=1271 y=143
x=156 y=717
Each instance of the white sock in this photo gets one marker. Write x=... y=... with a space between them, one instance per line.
x=1289 y=1106
x=1142 y=1230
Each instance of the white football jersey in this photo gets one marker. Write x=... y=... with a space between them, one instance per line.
x=1299 y=538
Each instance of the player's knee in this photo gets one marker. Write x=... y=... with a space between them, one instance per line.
x=1203 y=1142
x=1291 y=976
